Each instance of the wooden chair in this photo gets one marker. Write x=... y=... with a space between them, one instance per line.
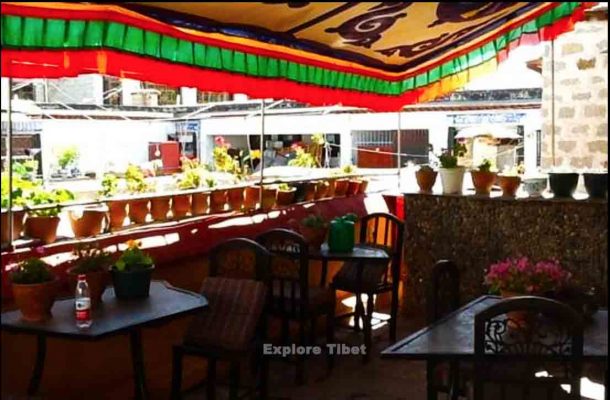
x=443 y=297
x=292 y=299
x=229 y=328
x=385 y=231
x=517 y=338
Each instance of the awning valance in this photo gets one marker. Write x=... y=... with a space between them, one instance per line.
x=376 y=55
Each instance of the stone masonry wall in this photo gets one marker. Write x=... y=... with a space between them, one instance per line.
x=581 y=98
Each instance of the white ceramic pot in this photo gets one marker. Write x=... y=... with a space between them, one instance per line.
x=452 y=179
x=534 y=187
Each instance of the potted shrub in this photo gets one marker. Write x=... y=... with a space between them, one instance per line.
x=596 y=184
x=42 y=223
x=117 y=208
x=20 y=189
x=34 y=289
x=563 y=183
x=314 y=229
x=285 y=194
x=332 y=185
x=269 y=195
x=426 y=177
x=218 y=197
x=86 y=221
x=67 y=160
x=321 y=190
x=364 y=183
x=132 y=272
x=251 y=197
x=235 y=198
x=136 y=184
x=509 y=180
x=199 y=203
x=94 y=263
x=452 y=174
x=181 y=203
x=309 y=190
x=483 y=178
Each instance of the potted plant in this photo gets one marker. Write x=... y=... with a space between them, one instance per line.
x=596 y=184
x=285 y=194
x=452 y=174
x=132 y=272
x=181 y=203
x=364 y=183
x=86 y=221
x=563 y=182
x=94 y=263
x=534 y=186
x=509 y=180
x=34 y=289
x=309 y=190
x=426 y=177
x=251 y=197
x=136 y=184
x=483 y=178
x=67 y=159
x=302 y=158
x=117 y=208
x=42 y=223
x=20 y=190
x=321 y=190
x=314 y=229
x=218 y=197
x=353 y=186
x=269 y=195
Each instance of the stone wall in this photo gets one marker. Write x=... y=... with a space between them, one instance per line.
x=581 y=98
x=478 y=231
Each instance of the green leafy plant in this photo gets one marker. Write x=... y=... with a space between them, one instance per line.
x=26 y=169
x=32 y=271
x=210 y=182
x=303 y=159
x=318 y=138
x=90 y=258
x=190 y=179
x=41 y=197
x=348 y=169
x=67 y=157
x=449 y=157
x=135 y=180
x=21 y=189
x=485 y=165
x=314 y=221
x=284 y=187
x=133 y=258
x=426 y=167
x=110 y=185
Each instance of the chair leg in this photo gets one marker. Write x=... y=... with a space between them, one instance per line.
x=368 y=343
x=234 y=381
x=393 y=313
x=210 y=387
x=330 y=335
x=358 y=312
x=300 y=360
x=176 y=373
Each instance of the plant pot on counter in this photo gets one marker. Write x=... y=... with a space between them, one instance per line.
x=426 y=178
x=596 y=185
x=138 y=211
x=452 y=179
x=353 y=186
x=181 y=205
x=332 y=185
x=534 y=187
x=18 y=216
x=341 y=186
x=285 y=197
x=310 y=191
x=235 y=198
x=97 y=282
x=483 y=181
x=131 y=284
x=364 y=184
x=87 y=221
x=509 y=184
x=35 y=300
x=159 y=207
x=43 y=228
x=563 y=184
x=321 y=190
x=218 y=200
x=117 y=212
x=269 y=195
x=251 y=197
x=199 y=203
x=313 y=236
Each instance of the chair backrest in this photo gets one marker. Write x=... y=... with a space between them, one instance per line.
x=386 y=231
x=443 y=294
x=240 y=258
x=518 y=338
x=289 y=269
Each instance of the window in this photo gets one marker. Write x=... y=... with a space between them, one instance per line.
x=212 y=97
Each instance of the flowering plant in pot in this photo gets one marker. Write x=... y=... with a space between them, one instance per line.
x=483 y=177
x=34 y=289
x=94 y=263
x=314 y=229
x=136 y=184
x=452 y=174
x=426 y=178
x=132 y=272
x=42 y=223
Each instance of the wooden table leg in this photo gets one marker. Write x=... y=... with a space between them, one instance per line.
x=41 y=351
x=139 y=377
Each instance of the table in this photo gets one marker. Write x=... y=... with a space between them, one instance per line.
x=111 y=318
x=452 y=337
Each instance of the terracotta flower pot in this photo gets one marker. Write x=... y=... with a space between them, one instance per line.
x=17 y=225
x=43 y=228
x=117 y=211
x=425 y=180
x=285 y=197
x=181 y=205
x=235 y=198
x=509 y=185
x=483 y=181
x=97 y=282
x=218 y=200
x=35 y=300
x=321 y=190
x=313 y=236
x=363 y=185
x=310 y=191
x=88 y=223
x=341 y=186
x=269 y=195
x=138 y=210
x=159 y=207
x=353 y=186
x=452 y=180
x=332 y=185
x=251 y=197
x=199 y=203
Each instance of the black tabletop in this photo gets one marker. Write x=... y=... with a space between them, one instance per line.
x=359 y=253
x=113 y=316
x=453 y=336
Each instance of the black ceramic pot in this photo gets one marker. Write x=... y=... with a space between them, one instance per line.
x=596 y=185
x=131 y=284
x=563 y=184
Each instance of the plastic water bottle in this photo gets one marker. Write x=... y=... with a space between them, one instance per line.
x=82 y=303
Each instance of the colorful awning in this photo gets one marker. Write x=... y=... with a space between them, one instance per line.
x=376 y=55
